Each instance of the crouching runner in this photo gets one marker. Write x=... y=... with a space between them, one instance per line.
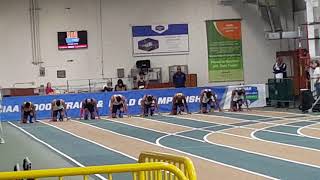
x=179 y=104
x=149 y=105
x=58 y=107
x=238 y=98
x=118 y=104
x=90 y=109
x=28 y=112
x=208 y=98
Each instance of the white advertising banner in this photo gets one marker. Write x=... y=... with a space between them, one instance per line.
x=255 y=93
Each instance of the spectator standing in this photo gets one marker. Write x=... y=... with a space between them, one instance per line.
x=280 y=69
x=280 y=72
x=179 y=78
x=316 y=77
x=49 y=89
x=120 y=86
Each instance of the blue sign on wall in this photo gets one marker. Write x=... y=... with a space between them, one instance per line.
x=11 y=105
x=160 y=39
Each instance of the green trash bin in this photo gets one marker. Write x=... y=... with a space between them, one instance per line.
x=281 y=90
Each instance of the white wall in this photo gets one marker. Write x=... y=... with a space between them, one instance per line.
x=117 y=16
x=55 y=18
x=15 y=46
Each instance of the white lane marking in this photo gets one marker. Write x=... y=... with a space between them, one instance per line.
x=54 y=149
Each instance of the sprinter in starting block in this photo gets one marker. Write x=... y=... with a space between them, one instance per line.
x=58 y=107
x=149 y=105
x=179 y=104
x=89 y=107
x=238 y=98
x=28 y=112
x=208 y=98
x=118 y=103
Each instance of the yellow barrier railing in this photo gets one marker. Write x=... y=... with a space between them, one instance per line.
x=183 y=163
x=140 y=171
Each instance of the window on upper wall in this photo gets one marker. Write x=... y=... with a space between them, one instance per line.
x=316 y=14
x=317 y=40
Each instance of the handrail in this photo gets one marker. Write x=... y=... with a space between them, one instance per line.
x=136 y=169
x=183 y=163
x=23 y=83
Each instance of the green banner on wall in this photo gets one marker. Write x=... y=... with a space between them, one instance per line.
x=224 y=50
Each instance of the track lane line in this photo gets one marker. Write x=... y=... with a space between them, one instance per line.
x=54 y=149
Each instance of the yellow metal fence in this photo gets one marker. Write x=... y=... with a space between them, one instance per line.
x=181 y=162
x=163 y=167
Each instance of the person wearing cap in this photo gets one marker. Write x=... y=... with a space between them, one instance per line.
x=89 y=107
x=28 y=111
x=118 y=104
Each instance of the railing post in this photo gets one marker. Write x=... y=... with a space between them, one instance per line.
x=68 y=86
x=142 y=175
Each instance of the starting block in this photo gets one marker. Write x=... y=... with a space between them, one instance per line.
x=26 y=165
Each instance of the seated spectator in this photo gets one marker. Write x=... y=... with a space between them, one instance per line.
x=120 y=86
x=49 y=89
x=141 y=82
x=108 y=87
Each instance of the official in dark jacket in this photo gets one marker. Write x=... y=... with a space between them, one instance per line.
x=280 y=69
x=179 y=78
